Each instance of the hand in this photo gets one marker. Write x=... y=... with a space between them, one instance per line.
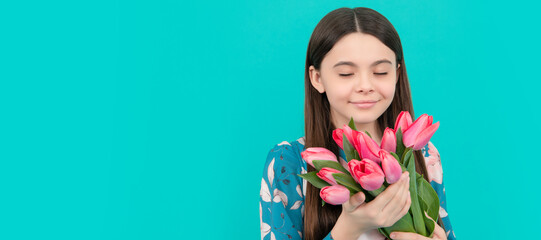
x=387 y=208
x=439 y=234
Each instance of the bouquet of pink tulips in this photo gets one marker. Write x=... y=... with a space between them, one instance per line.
x=372 y=168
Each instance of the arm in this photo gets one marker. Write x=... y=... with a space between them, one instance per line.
x=281 y=198
x=435 y=173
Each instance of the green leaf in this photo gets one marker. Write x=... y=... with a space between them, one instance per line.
x=322 y=203
x=314 y=179
x=399 y=144
x=404 y=224
x=367 y=134
x=347 y=181
x=418 y=221
x=379 y=190
x=407 y=155
x=395 y=156
x=349 y=150
x=428 y=223
x=319 y=164
x=429 y=196
x=351 y=124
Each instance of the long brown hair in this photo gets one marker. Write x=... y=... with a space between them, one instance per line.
x=318 y=220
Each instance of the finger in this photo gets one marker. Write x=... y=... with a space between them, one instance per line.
x=407 y=236
x=439 y=232
x=403 y=211
x=395 y=208
x=396 y=204
x=355 y=201
x=383 y=198
x=406 y=207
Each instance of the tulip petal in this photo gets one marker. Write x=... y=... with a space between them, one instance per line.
x=337 y=136
x=403 y=121
x=425 y=136
x=416 y=127
x=335 y=195
x=390 y=166
x=368 y=147
x=350 y=134
x=372 y=166
x=388 y=141
x=326 y=174
x=372 y=182
x=317 y=153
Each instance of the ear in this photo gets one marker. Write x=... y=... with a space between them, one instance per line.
x=315 y=79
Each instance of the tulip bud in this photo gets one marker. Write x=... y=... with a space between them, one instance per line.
x=337 y=136
x=335 y=195
x=367 y=147
x=390 y=166
x=326 y=174
x=403 y=121
x=388 y=141
x=420 y=132
x=351 y=135
x=367 y=173
x=317 y=153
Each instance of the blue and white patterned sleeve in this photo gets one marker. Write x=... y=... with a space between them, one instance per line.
x=435 y=175
x=281 y=197
x=281 y=207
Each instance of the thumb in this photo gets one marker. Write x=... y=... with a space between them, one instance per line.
x=355 y=201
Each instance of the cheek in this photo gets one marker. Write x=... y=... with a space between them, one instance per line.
x=387 y=89
x=338 y=93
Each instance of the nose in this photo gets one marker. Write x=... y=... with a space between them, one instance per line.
x=364 y=84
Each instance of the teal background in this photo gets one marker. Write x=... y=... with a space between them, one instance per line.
x=153 y=119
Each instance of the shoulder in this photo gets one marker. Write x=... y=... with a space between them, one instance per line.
x=286 y=154
x=280 y=172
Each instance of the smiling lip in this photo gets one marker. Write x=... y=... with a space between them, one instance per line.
x=364 y=104
x=366 y=101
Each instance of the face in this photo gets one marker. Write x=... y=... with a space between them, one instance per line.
x=358 y=68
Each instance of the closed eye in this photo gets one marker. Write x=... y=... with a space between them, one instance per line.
x=349 y=74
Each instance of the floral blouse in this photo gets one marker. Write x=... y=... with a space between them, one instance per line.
x=281 y=203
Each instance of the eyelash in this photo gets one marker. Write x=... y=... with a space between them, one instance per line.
x=347 y=75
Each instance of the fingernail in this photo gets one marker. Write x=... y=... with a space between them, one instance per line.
x=393 y=235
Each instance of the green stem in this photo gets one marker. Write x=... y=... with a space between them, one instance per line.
x=418 y=217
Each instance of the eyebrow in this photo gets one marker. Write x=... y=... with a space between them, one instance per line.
x=355 y=65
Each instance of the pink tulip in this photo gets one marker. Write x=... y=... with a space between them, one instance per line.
x=419 y=133
x=317 y=153
x=367 y=147
x=335 y=195
x=403 y=121
x=390 y=166
x=337 y=136
x=367 y=173
x=326 y=174
x=351 y=135
x=388 y=141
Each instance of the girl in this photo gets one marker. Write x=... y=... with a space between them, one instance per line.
x=354 y=68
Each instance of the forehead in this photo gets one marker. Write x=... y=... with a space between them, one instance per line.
x=359 y=48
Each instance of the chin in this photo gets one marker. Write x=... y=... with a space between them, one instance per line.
x=363 y=118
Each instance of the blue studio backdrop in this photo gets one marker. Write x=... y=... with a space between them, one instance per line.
x=153 y=119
